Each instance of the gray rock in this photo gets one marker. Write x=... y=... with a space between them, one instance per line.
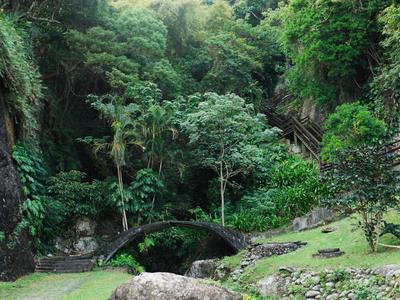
x=332 y=297
x=328 y=253
x=343 y=294
x=167 y=286
x=202 y=268
x=380 y=295
x=316 y=217
x=272 y=286
x=85 y=245
x=222 y=272
x=286 y=270
x=328 y=229
x=330 y=285
x=17 y=260
x=312 y=294
x=316 y=279
x=388 y=271
x=85 y=227
x=63 y=246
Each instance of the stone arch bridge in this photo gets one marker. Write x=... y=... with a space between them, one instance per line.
x=65 y=264
x=234 y=239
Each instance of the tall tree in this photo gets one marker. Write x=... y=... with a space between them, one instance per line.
x=363 y=181
x=121 y=119
x=224 y=132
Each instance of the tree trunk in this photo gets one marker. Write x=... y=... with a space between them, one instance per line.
x=222 y=190
x=159 y=174
x=121 y=191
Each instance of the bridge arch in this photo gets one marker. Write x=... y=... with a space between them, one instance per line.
x=234 y=239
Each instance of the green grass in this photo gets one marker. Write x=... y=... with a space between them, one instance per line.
x=95 y=285
x=347 y=237
x=233 y=261
x=99 y=285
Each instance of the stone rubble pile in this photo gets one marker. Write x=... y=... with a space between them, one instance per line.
x=258 y=251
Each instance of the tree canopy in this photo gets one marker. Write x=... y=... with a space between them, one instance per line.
x=153 y=110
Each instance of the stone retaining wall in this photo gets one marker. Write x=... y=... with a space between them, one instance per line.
x=349 y=283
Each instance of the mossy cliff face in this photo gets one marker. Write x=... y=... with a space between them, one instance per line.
x=15 y=253
x=20 y=92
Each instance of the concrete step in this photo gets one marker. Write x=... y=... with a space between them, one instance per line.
x=65 y=264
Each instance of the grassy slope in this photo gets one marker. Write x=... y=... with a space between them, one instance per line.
x=99 y=284
x=95 y=285
x=351 y=241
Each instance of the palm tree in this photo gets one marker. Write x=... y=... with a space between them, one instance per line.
x=157 y=131
x=122 y=120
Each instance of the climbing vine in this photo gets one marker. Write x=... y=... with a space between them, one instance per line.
x=20 y=78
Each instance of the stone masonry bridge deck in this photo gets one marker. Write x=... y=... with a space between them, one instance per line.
x=234 y=239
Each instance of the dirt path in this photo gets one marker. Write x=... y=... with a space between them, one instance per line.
x=52 y=289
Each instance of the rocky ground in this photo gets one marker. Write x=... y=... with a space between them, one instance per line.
x=350 y=283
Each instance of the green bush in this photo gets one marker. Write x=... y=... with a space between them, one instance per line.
x=296 y=187
x=147 y=244
x=36 y=205
x=248 y=221
x=78 y=198
x=127 y=260
x=140 y=196
x=351 y=125
x=255 y=211
x=292 y=188
x=200 y=215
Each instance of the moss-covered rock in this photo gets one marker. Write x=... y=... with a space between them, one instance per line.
x=15 y=253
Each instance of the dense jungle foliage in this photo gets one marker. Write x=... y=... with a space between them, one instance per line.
x=144 y=110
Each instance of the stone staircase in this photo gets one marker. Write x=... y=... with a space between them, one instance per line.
x=65 y=264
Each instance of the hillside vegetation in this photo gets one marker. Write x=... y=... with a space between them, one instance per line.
x=243 y=113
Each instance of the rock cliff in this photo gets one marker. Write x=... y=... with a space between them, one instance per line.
x=15 y=253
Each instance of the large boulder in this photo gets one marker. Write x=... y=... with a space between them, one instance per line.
x=85 y=227
x=272 y=286
x=167 y=286
x=16 y=258
x=64 y=246
x=85 y=245
x=202 y=268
